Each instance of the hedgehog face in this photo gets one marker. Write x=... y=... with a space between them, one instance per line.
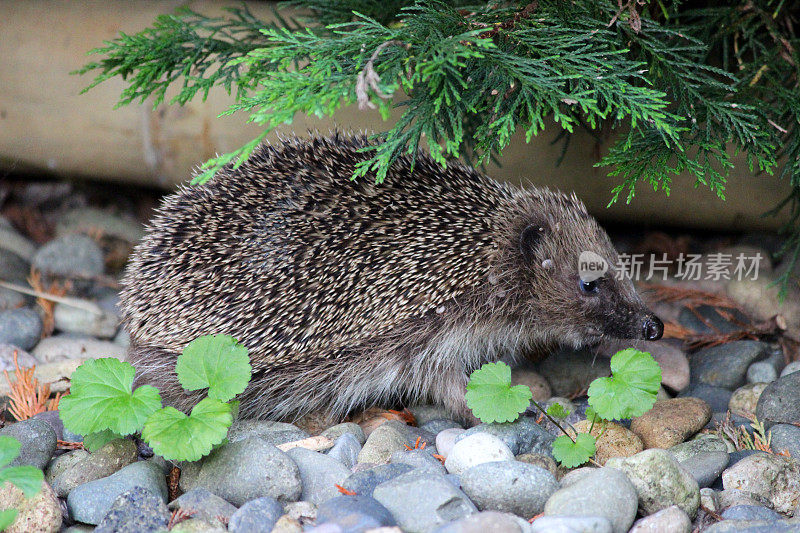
x=570 y=265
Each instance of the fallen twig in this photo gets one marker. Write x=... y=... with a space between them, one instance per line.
x=66 y=300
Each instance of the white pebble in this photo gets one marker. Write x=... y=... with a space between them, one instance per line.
x=445 y=440
x=476 y=449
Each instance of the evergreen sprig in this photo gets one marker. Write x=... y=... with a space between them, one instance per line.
x=679 y=84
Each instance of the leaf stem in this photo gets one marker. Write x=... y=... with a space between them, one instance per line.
x=553 y=420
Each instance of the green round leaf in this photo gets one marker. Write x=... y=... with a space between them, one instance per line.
x=491 y=396
x=178 y=437
x=216 y=362
x=7 y=518
x=571 y=454
x=95 y=441
x=9 y=449
x=26 y=478
x=102 y=397
x=632 y=388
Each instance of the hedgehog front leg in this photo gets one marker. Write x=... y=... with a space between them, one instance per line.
x=453 y=398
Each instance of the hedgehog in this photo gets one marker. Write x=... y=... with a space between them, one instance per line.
x=350 y=294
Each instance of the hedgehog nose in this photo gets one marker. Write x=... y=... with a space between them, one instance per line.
x=652 y=328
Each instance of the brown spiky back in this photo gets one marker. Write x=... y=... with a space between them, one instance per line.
x=293 y=258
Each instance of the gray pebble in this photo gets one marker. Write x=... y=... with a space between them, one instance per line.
x=660 y=481
x=274 y=433
x=363 y=483
x=604 y=492
x=12 y=241
x=345 y=450
x=319 y=474
x=14 y=268
x=10 y=299
x=88 y=219
x=89 y=503
x=425 y=413
x=509 y=486
x=726 y=365
x=53 y=418
x=97 y=323
x=706 y=467
x=754 y=526
x=771 y=477
x=21 y=327
x=24 y=359
x=702 y=444
x=522 y=436
x=786 y=437
x=334 y=432
x=68 y=346
x=671 y=520
x=37 y=440
x=386 y=439
x=716 y=397
x=440 y=424
x=780 y=401
x=791 y=368
x=204 y=505
x=256 y=516
x=571 y=524
x=63 y=462
x=354 y=514
x=761 y=372
x=420 y=459
x=70 y=255
x=108 y=459
x=486 y=521
x=244 y=470
x=137 y=510
x=421 y=501
x=750 y=512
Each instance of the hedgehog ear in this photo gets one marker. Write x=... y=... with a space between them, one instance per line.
x=529 y=240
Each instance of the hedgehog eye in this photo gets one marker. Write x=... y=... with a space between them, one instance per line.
x=589 y=287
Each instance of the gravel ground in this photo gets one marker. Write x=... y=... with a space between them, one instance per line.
x=683 y=466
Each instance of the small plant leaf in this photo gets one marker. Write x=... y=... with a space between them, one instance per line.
x=7 y=518
x=95 y=441
x=178 y=437
x=9 y=449
x=491 y=396
x=102 y=397
x=632 y=388
x=557 y=410
x=571 y=454
x=216 y=362
x=26 y=478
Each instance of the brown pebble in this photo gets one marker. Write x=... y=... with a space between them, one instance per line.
x=539 y=386
x=671 y=422
x=613 y=441
x=745 y=399
x=537 y=459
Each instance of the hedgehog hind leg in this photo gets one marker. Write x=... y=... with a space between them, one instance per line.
x=156 y=366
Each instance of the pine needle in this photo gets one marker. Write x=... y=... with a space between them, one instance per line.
x=27 y=396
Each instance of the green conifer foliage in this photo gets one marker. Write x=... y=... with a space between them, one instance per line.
x=680 y=86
